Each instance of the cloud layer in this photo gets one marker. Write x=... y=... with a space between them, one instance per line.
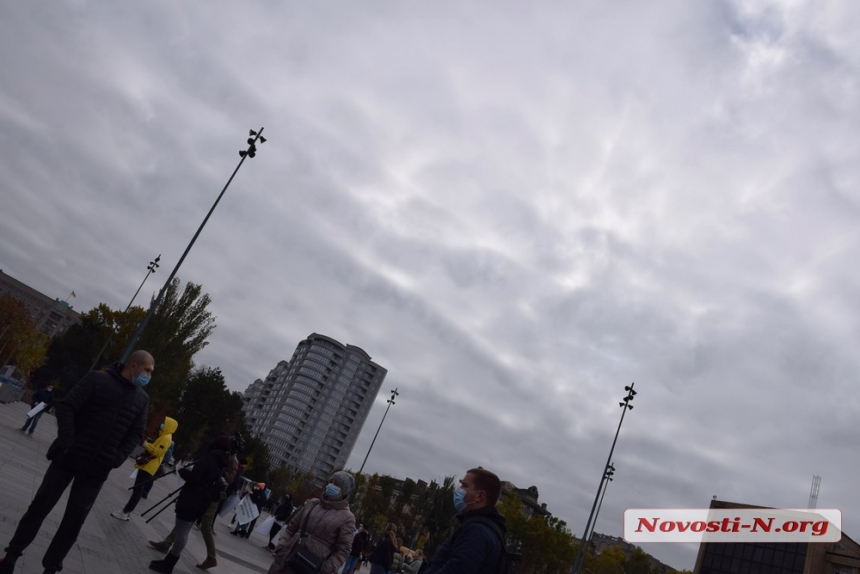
x=516 y=209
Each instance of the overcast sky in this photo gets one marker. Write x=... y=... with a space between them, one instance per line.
x=517 y=208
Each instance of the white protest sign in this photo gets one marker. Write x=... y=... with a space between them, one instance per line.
x=246 y=511
x=265 y=526
x=35 y=410
x=228 y=505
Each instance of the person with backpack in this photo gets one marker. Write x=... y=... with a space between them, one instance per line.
x=204 y=485
x=382 y=556
x=477 y=545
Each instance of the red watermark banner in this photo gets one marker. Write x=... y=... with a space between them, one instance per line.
x=732 y=525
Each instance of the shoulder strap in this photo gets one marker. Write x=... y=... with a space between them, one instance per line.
x=305 y=522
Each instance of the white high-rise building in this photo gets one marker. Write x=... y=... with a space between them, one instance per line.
x=309 y=410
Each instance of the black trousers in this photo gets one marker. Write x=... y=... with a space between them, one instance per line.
x=137 y=492
x=83 y=495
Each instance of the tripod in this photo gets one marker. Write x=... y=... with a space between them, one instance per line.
x=170 y=499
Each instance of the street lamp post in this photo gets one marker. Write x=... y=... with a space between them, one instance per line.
x=390 y=402
x=243 y=154
x=580 y=555
x=150 y=269
x=607 y=475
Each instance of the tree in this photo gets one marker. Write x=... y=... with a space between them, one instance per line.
x=610 y=561
x=638 y=563
x=176 y=332
x=545 y=543
x=20 y=343
x=257 y=457
x=202 y=420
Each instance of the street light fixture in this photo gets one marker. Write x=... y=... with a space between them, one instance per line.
x=390 y=402
x=610 y=470
x=607 y=476
x=150 y=269
x=250 y=152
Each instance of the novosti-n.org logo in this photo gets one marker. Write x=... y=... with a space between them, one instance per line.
x=732 y=525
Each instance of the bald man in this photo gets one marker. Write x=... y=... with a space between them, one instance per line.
x=99 y=422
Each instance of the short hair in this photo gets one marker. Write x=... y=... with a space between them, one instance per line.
x=488 y=482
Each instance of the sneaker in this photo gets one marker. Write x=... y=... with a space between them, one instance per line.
x=121 y=515
x=30 y=435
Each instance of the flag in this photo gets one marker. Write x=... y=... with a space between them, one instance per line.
x=73 y=294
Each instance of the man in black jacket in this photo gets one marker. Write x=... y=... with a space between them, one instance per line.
x=85 y=452
x=476 y=546
x=46 y=396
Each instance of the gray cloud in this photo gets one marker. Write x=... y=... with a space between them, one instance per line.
x=516 y=209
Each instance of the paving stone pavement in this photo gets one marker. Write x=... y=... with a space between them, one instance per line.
x=106 y=545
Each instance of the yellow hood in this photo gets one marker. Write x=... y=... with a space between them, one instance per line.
x=170 y=426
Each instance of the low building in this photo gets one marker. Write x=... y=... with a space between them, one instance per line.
x=841 y=557
x=49 y=316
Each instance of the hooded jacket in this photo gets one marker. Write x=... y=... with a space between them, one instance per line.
x=158 y=448
x=201 y=481
x=99 y=422
x=473 y=548
x=328 y=535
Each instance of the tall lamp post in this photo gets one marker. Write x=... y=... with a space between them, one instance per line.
x=243 y=154
x=390 y=402
x=607 y=475
x=150 y=269
x=580 y=555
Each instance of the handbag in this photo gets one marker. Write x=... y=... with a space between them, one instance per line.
x=301 y=559
x=143 y=458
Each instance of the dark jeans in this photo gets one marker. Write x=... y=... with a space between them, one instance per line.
x=273 y=532
x=81 y=499
x=137 y=492
x=31 y=421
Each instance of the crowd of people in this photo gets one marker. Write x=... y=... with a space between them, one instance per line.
x=101 y=421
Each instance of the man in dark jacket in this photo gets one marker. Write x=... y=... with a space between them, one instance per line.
x=282 y=514
x=46 y=396
x=475 y=547
x=99 y=422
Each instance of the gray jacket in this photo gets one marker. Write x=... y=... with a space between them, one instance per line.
x=328 y=534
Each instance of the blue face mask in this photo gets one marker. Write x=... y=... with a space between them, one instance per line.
x=460 y=500
x=332 y=491
x=141 y=379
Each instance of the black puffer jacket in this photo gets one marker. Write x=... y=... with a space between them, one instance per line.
x=201 y=485
x=99 y=423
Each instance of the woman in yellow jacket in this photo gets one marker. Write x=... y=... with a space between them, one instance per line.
x=146 y=470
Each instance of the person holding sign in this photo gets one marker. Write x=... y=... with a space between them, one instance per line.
x=43 y=398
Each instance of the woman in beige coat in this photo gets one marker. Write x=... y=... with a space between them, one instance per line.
x=329 y=531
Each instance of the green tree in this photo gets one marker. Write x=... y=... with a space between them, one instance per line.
x=610 y=561
x=177 y=331
x=20 y=343
x=638 y=563
x=205 y=409
x=545 y=543
x=257 y=457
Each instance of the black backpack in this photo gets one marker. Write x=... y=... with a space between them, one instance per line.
x=507 y=560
